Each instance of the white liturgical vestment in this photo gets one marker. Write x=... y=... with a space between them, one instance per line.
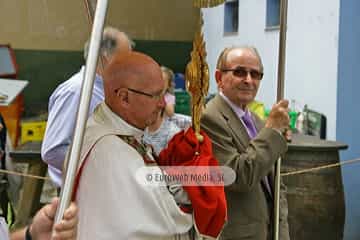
x=113 y=204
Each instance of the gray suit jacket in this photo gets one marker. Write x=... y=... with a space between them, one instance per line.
x=250 y=204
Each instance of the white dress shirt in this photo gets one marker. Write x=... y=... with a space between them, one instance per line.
x=160 y=138
x=4 y=233
x=63 y=106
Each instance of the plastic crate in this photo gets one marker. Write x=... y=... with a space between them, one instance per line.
x=182 y=103
x=292 y=114
x=32 y=131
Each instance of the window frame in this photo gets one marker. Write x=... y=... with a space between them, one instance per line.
x=272 y=18
x=231 y=17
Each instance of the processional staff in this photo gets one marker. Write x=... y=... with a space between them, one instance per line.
x=279 y=96
x=85 y=97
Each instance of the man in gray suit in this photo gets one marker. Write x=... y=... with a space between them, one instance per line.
x=247 y=145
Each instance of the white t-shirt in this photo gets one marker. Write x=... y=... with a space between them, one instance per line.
x=4 y=232
x=161 y=137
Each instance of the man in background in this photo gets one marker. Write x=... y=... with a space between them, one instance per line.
x=64 y=101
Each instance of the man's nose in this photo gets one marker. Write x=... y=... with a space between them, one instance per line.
x=248 y=77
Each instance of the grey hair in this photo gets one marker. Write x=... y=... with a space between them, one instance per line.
x=221 y=62
x=108 y=43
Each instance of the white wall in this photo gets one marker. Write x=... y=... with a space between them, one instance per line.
x=312 y=50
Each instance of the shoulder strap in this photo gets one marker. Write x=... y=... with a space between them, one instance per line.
x=144 y=150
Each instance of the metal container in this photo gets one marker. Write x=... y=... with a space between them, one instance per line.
x=315 y=199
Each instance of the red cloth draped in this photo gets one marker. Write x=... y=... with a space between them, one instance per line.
x=208 y=202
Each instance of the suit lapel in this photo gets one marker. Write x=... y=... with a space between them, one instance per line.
x=233 y=121
x=259 y=124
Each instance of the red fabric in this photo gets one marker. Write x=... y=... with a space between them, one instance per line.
x=77 y=181
x=208 y=202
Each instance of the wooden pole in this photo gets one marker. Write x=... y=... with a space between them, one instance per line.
x=279 y=96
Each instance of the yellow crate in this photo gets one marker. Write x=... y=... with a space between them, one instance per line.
x=32 y=131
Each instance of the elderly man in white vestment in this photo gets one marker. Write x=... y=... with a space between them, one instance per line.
x=113 y=204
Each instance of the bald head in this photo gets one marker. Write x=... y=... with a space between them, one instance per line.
x=132 y=81
x=130 y=69
x=223 y=57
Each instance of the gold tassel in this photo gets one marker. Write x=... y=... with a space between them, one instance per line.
x=197 y=70
x=197 y=78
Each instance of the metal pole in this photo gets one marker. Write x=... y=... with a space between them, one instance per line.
x=85 y=97
x=90 y=11
x=280 y=95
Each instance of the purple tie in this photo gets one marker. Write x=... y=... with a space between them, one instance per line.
x=249 y=124
x=251 y=129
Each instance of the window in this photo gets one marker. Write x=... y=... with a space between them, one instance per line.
x=231 y=16
x=272 y=13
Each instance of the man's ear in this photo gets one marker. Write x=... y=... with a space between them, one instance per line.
x=106 y=59
x=123 y=96
x=218 y=74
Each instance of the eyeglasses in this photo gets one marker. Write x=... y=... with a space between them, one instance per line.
x=156 y=97
x=242 y=72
